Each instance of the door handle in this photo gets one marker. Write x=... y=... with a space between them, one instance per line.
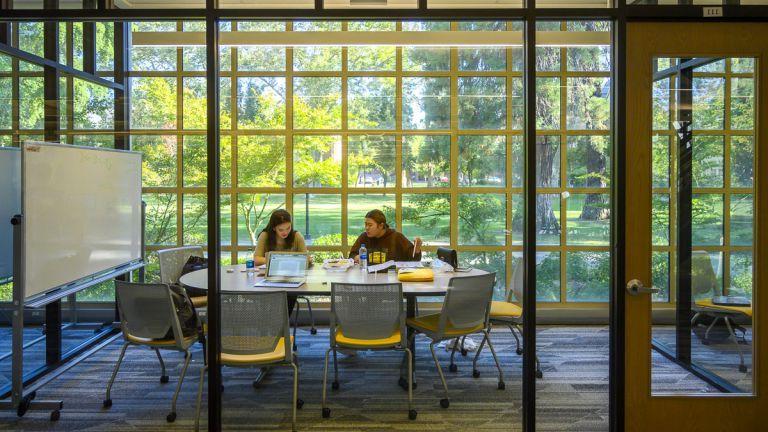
x=635 y=287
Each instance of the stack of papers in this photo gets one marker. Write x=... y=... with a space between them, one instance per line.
x=338 y=265
x=396 y=264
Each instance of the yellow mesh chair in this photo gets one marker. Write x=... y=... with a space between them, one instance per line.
x=704 y=284
x=255 y=332
x=367 y=317
x=172 y=263
x=147 y=313
x=465 y=311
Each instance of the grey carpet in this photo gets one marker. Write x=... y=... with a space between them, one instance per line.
x=573 y=396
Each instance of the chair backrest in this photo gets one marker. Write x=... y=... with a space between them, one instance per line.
x=147 y=310
x=467 y=301
x=703 y=278
x=253 y=322
x=172 y=262
x=515 y=291
x=367 y=311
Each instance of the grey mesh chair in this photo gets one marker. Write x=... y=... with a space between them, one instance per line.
x=255 y=332
x=147 y=313
x=172 y=263
x=367 y=317
x=705 y=285
x=509 y=314
x=464 y=312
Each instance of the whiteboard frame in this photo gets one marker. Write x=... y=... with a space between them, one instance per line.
x=55 y=293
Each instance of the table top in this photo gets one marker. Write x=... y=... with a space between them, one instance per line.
x=234 y=278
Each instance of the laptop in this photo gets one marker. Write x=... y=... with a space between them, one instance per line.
x=285 y=270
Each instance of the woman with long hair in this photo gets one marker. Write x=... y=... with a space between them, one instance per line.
x=278 y=235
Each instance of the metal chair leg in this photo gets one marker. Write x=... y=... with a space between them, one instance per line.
x=200 y=396
x=172 y=415
x=487 y=337
x=108 y=400
x=742 y=366
x=445 y=402
x=295 y=395
x=452 y=367
x=326 y=411
x=411 y=411
x=514 y=329
x=295 y=323
x=163 y=375
x=312 y=329
x=706 y=333
x=475 y=372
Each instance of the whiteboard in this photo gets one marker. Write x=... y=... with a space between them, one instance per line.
x=10 y=205
x=82 y=213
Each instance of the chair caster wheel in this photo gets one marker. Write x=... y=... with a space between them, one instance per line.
x=313 y=331
x=326 y=412
x=464 y=353
x=107 y=403
x=164 y=379
x=55 y=415
x=171 y=417
x=403 y=383
x=412 y=415
x=742 y=368
x=335 y=385
x=295 y=348
x=539 y=374
x=475 y=373
x=453 y=368
x=705 y=342
x=519 y=351
x=255 y=384
x=445 y=403
x=502 y=386
x=299 y=403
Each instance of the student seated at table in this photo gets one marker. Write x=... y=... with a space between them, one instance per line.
x=383 y=243
x=279 y=235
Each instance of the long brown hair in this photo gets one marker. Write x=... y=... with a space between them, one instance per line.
x=378 y=217
x=278 y=217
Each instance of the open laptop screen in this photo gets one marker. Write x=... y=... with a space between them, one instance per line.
x=287 y=265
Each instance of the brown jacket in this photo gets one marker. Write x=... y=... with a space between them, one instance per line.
x=396 y=246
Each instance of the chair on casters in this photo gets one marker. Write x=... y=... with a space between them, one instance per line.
x=312 y=330
x=367 y=317
x=255 y=332
x=509 y=314
x=171 y=265
x=464 y=312
x=704 y=284
x=147 y=312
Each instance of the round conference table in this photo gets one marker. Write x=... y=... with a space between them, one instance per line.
x=318 y=283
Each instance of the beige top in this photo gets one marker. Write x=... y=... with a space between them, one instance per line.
x=298 y=244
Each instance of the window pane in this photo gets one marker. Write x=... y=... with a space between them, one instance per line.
x=317 y=161
x=195 y=113
x=589 y=103
x=483 y=219
x=490 y=262
x=427 y=216
x=660 y=275
x=360 y=204
x=94 y=106
x=193 y=58
x=518 y=164
x=482 y=160
x=548 y=219
x=548 y=103
x=589 y=219
x=548 y=161
x=741 y=275
x=153 y=58
x=102 y=141
x=261 y=58
x=518 y=211
x=742 y=217
x=426 y=161
x=161 y=219
x=742 y=65
x=482 y=59
x=31 y=103
x=225 y=220
x=426 y=103
x=253 y=211
x=225 y=103
x=195 y=161
x=589 y=161
x=661 y=104
x=371 y=161
x=708 y=103
x=6 y=101
x=482 y=103
x=588 y=276
x=371 y=103
x=548 y=276
x=153 y=103
x=320 y=220
x=589 y=59
x=195 y=217
x=261 y=103
x=317 y=103
x=660 y=219
x=518 y=104
x=742 y=103
x=707 y=164
x=661 y=158
x=371 y=58
x=426 y=59
x=317 y=58
x=707 y=219
x=158 y=166
x=261 y=161
x=742 y=161
x=548 y=59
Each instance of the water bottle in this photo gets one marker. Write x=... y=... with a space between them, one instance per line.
x=363 y=257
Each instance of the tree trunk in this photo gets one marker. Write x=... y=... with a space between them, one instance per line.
x=546 y=154
x=594 y=207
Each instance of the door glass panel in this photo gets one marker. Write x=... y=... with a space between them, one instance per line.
x=703 y=211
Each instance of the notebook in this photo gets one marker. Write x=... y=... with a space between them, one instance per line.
x=285 y=270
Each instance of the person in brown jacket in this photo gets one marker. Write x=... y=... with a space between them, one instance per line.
x=383 y=243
